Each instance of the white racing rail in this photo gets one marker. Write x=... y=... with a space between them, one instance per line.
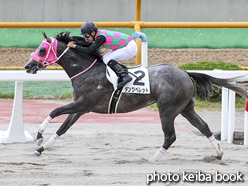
x=16 y=133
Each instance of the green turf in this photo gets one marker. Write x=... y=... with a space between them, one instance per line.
x=30 y=89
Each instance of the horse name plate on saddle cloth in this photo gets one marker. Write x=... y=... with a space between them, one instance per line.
x=139 y=85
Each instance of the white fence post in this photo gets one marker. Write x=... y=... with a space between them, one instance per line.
x=15 y=132
x=144 y=54
x=144 y=47
x=231 y=116
x=224 y=113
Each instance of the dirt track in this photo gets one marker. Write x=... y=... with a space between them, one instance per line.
x=176 y=57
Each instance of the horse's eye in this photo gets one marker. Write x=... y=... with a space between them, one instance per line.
x=42 y=52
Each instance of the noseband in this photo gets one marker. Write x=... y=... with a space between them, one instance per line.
x=51 y=53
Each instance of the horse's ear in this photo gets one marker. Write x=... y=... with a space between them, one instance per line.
x=47 y=38
x=44 y=35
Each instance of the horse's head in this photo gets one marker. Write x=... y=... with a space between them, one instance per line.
x=33 y=66
x=45 y=55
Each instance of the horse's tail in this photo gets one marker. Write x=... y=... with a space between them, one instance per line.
x=205 y=83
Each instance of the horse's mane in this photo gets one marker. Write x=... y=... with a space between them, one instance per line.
x=65 y=38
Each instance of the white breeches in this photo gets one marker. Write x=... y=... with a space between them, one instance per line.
x=122 y=54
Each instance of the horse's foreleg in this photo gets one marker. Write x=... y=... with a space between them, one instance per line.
x=67 y=109
x=47 y=145
x=41 y=129
x=202 y=126
x=169 y=137
x=70 y=120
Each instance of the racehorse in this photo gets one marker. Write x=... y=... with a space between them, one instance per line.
x=173 y=90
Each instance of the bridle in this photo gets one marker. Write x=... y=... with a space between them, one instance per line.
x=51 y=48
x=47 y=60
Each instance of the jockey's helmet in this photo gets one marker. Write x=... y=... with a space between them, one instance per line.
x=88 y=27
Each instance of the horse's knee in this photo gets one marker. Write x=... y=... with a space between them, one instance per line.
x=55 y=113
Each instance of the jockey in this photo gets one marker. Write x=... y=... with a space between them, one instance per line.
x=122 y=47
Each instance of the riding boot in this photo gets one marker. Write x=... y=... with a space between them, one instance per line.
x=122 y=74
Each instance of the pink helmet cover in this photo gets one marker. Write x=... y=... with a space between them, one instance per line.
x=52 y=53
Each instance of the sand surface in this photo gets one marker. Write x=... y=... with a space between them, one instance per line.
x=116 y=153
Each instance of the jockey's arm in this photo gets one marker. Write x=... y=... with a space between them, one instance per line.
x=92 y=48
x=78 y=40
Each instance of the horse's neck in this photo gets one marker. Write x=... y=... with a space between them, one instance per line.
x=73 y=63
x=72 y=66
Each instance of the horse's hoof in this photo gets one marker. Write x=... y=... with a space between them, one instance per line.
x=36 y=153
x=152 y=160
x=39 y=141
x=219 y=157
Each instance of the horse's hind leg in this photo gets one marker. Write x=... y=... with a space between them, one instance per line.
x=169 y=134
x=190 y=114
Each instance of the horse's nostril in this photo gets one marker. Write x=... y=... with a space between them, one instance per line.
x=26 y=67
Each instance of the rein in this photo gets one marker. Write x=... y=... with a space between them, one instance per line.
x=61 y=54
x=84 y=70
x=45 y=63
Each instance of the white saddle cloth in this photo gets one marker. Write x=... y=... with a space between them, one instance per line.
x=140 y=80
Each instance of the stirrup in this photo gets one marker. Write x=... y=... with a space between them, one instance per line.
x=123 y=83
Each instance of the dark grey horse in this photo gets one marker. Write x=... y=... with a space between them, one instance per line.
x=171 y=88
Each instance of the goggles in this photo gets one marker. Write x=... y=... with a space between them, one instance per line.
x=87 y=35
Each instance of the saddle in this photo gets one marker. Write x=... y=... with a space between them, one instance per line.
x=139 y=85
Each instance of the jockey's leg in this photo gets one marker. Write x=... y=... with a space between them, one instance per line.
x=124 y=78
x=113 y=57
